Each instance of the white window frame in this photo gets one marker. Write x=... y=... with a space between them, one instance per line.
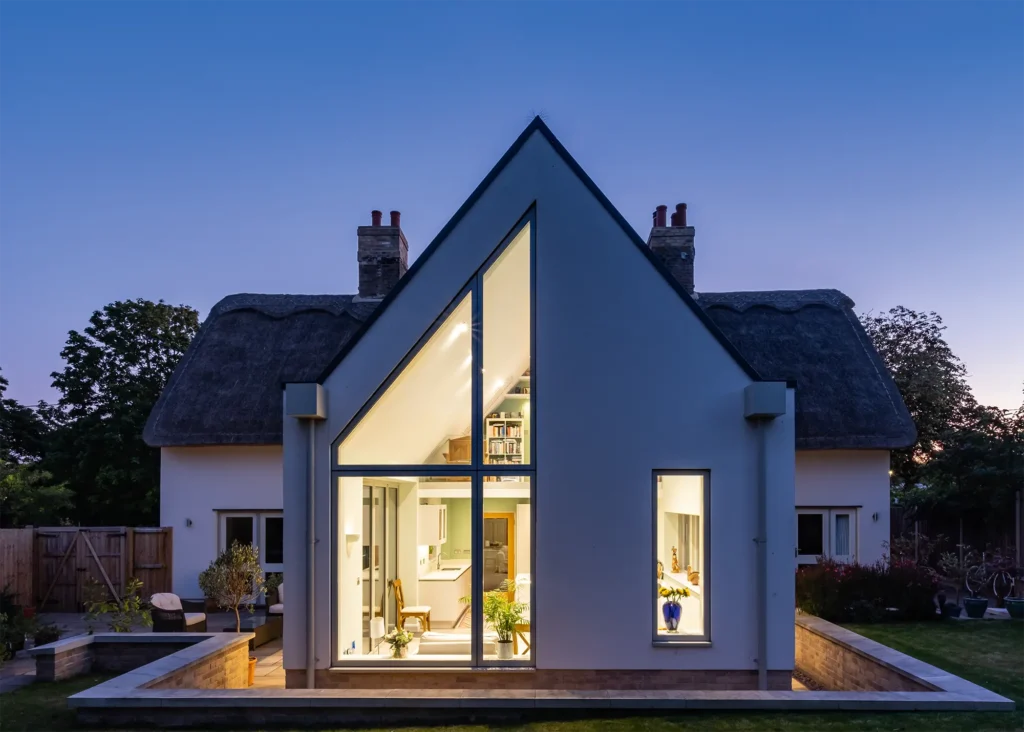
x=828 y=537
x=259 y=519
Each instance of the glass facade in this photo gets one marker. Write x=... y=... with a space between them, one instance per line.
x=433 y=563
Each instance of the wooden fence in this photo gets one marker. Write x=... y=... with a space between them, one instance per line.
x=17 y=568
x=57 y=569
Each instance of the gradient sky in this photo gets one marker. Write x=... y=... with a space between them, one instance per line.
x=187 y=151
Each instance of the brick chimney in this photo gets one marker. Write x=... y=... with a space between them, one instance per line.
x=673 y=244
x=383 y=256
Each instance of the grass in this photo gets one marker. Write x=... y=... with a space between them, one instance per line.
x=989 y=653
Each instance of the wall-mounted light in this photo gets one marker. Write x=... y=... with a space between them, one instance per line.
x=188 y=523
x=874 y=516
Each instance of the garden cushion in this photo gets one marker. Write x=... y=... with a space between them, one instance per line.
x=165 y=601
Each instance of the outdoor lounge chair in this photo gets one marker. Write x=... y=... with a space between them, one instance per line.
x=278 y=607
x=169 y=615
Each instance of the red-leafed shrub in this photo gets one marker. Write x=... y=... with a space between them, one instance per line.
x=866 y=593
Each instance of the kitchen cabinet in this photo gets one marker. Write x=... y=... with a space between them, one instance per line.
x=433 y=528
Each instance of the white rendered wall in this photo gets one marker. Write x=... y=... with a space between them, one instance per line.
x=195 y=483
x=676 y=401
x=844 y=479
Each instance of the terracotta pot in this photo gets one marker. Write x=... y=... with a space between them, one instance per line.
x=252 y=670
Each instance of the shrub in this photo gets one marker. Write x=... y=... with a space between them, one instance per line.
x=866 y=593
x=121 y=615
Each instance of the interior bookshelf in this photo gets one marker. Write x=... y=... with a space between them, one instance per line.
x=505 y=432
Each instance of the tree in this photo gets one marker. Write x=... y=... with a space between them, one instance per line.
x=931 y=379
x=115 y=370
x=976 y=473
x=234 y=578
x=22 y=432
x=29 y=497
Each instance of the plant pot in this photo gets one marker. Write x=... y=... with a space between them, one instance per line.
x=672 y=611
x=1015 y=606
x=28 y=612
x=976 y=607
x=951 y=610
x=252 y=670
x=505 y=650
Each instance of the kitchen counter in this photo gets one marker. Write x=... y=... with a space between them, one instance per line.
x=449 y=572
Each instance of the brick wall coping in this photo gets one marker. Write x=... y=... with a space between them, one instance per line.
x=919 y=671
x=203 y=645
x=77 y=641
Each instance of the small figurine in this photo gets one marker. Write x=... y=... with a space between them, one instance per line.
x=692 y=577
x=675 y=561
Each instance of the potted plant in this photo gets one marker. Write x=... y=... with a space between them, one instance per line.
x=46 y=634
x=399 y=640
x=672 y=611
x=954 y=572
x=273 y=581
x=504 y=614
x=233 y=579
x=977 y=577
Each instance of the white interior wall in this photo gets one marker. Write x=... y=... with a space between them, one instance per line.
x=676 y=402
x=845 y=479
x=196 y=482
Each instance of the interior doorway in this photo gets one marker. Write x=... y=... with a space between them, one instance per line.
x=499 y=549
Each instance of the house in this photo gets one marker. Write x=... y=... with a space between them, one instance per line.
x=543 y=406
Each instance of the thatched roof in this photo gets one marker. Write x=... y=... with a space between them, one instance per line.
x=845 y=397
x=227 y=389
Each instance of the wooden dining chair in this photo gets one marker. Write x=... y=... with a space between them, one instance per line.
x=413 y=611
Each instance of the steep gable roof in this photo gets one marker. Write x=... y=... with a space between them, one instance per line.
x=538 y=126
x=845 y=396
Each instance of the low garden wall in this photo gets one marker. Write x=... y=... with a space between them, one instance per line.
x=840 y=660
x=151 y=660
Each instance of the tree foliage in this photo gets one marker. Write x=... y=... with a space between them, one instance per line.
x=30 y=497
x=115 y=370
x=22 y=432
x=931 y=378
x=234 y=578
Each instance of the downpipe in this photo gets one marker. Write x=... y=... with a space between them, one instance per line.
x=762 y=554
x=310 y=554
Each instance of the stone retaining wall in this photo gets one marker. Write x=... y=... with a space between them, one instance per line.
x=151 y=660
x=831 y=661
x=227 y=668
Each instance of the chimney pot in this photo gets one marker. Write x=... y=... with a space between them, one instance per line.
x=659 y=215
x=375 y=218
x=674 y=219
x=680 y=215
x=396 y=218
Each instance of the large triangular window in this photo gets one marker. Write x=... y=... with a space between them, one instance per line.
x=423 y=415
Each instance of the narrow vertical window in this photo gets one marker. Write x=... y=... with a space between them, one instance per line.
x=680 y=598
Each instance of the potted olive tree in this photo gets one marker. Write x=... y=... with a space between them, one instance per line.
x=232 y=580
x=954 y=572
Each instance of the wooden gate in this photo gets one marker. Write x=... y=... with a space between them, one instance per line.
x=76 y=564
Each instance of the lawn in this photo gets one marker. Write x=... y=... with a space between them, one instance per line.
x=989 y=653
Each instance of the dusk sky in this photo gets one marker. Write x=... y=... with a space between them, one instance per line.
x=187 y=151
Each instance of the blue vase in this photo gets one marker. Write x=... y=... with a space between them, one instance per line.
x=672 y=611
